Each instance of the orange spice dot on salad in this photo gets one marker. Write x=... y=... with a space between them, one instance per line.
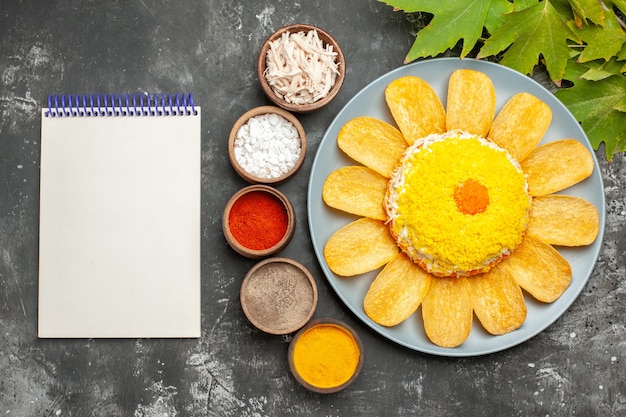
x=471 y=197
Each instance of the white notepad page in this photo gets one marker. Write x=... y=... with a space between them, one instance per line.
x=119 y=240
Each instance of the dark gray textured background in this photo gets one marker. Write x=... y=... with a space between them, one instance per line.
x=576 y=367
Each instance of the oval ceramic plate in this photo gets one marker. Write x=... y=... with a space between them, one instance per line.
x=324 y=221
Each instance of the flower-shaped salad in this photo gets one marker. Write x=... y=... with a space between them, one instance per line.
x=458 y=207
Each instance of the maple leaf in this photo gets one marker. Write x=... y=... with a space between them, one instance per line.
x=451 y=22
x=602 y=41
x=620 y=4
x=622 y=54
x=530 y=32
x=599 y=70
x=496 y=13
x=591 y=10
x=600 y=107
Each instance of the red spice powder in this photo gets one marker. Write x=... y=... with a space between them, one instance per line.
x=258 y=220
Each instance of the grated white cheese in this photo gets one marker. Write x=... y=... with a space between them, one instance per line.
x=300 y=68
x=267 y=146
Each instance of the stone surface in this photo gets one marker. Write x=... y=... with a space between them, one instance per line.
x=576 y=367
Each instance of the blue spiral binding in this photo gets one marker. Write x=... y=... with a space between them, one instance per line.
x=110 y=105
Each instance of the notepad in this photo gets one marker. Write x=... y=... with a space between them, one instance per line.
x=119 y=238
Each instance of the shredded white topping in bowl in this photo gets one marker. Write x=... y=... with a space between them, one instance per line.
x=300 y=68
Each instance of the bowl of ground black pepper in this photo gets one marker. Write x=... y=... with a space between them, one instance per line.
x=267 y=145
x=278 y=295
x=258 y=221
x=301 y=68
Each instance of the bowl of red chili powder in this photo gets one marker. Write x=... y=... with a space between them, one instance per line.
x=258 y=221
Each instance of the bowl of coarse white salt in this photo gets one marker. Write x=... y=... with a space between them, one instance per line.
x=301 y=68
x=267 y=145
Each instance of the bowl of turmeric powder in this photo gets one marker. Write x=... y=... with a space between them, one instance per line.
x=325 y=356
x=301 y=68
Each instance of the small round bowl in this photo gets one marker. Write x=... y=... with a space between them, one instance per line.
x=278 y=295
x=308 y=107
x=325 y=356
x=265 y=244
x=259 y=111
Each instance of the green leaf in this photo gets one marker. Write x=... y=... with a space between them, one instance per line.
x=621 y=55
x=524 y=4
x=620 y=4
x=599 y=70
x=538 y=30
x=610 y=130
x=591 y=10
x=452 y=21
x=598 y=106
x=621 y=105
x=496 y=14
x=602 y=42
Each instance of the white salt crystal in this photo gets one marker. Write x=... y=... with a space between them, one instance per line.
x=267 y=146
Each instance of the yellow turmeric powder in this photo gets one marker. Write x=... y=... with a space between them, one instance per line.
x=326 y=356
